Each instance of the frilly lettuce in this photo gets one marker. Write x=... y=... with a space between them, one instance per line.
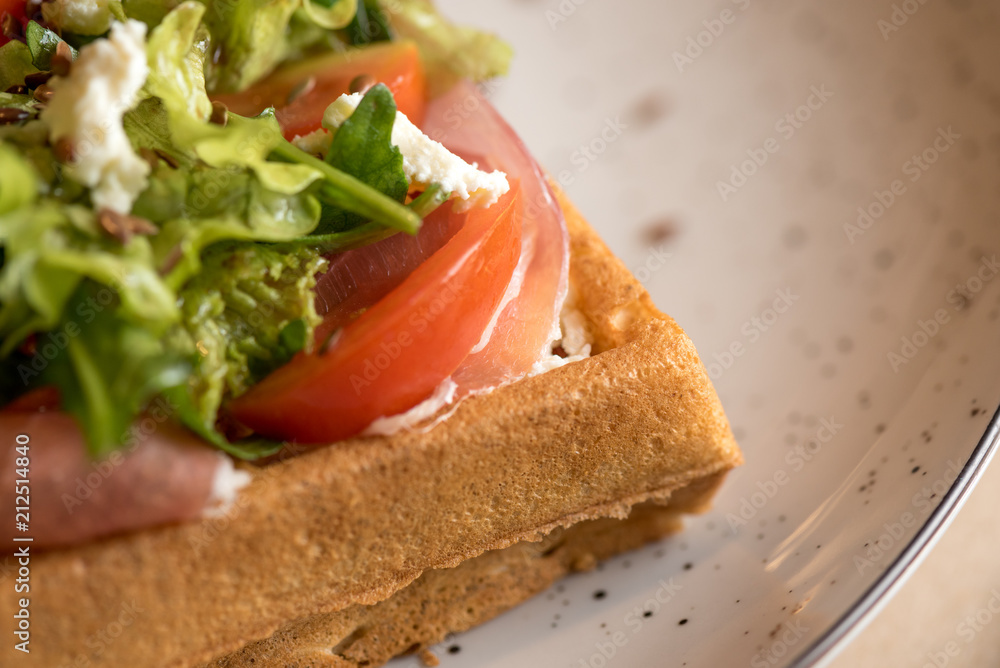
x=247 y=312
x=252 y=36
x=449 y=52
x=176 y=51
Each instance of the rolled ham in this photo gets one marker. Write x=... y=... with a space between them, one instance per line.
x=165 y=475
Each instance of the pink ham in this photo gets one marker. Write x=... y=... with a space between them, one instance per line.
x=167 y=477
x=527 y=326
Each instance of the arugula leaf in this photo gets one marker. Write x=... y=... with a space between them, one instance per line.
x=42 y=44
x=363 y=148
x=101 y=387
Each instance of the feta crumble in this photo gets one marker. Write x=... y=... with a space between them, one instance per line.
x=426 y=161
x=84 y=17
x=86 y=108
x=316 y=142
x=226 y=485
x=573 y=339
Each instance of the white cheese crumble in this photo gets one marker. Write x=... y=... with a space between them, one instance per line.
x=84 y=17
x=426 y=161
x=87 y=108
x=316 y=142
x=226 y=485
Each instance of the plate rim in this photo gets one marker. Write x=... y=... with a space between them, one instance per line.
x=864 y=610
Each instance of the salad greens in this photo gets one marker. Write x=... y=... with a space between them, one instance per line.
x=206 y=285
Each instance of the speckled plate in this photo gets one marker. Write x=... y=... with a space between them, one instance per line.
x=812 y=190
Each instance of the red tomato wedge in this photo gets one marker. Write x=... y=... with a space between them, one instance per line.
x=396 y=353
x=302 y=91
x=358 y=278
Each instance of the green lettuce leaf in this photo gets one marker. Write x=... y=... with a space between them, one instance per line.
x=250 y=38
x=176 y=51
x=20 y=184
x=248 y=311
x=449 y=52
x=15 y=64
x=150 y=12
x=101 y=387
x=186 y=412
x=49 y=248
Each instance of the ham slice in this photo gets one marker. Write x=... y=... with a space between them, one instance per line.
x=528 y=322
x=168 y=476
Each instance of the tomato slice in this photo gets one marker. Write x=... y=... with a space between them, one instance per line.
x=358 y=278
x=396 y=353
x=314 y=83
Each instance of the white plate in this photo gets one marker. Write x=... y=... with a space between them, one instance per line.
x=864 y=406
